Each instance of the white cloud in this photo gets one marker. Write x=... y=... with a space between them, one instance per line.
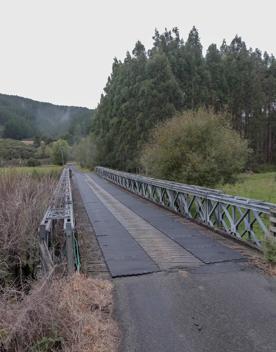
x=62 y=50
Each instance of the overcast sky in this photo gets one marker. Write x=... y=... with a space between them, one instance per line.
x=61 y=51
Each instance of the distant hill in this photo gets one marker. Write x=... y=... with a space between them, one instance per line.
x=25 y=118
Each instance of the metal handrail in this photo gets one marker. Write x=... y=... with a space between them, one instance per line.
x=60 y=209
x=213 y=194
x=243 y=218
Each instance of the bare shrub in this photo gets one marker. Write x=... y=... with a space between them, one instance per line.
x=69 y=314
x=24 y=198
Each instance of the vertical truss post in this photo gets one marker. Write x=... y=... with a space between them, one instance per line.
x=207 y=210
x=218 y=214
x=69 y=247
x=234 y=218
x=42 y=232
x=249 y=225
x=272 y=219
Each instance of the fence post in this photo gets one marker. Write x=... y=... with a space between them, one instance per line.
x=272 y=219
x=42 y=238
x=69 y=247
x=42 y=232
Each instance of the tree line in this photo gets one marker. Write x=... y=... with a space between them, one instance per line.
x=149 y=87
x=22 y=118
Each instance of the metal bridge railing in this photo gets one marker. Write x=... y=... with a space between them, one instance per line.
x=60 y=209
x=245 y=219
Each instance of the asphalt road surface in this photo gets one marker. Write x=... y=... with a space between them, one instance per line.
x=177 y=287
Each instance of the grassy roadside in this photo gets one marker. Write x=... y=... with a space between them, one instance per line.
x=45 y=170
x=261 y=186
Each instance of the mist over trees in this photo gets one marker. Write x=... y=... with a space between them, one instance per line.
x=85 y=152
x=22 y=118
x=148 y=87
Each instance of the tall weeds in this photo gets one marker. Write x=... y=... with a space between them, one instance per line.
x=69 y=314
x=23 y=200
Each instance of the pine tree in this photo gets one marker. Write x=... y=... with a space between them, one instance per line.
x=149 y=87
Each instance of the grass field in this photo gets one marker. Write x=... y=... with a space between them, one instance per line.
x=261 y=186
x=47 y=170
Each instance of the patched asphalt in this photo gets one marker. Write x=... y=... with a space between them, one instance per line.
x=223 y=305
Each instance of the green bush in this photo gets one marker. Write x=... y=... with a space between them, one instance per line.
x=60 y=152
x=12 y=149
x=33 y=162
x=196 y=148
x=85 y=152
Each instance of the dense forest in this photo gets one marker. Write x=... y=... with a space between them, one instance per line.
x=22 y=118
x=148 y=87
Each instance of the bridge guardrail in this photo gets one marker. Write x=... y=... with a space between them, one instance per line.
x=60 y=209
x=245 y=219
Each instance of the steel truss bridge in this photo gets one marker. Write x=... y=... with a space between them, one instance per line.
x=59 y=213
x=245 y=219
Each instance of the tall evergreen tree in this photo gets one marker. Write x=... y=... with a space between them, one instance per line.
x=147 y=88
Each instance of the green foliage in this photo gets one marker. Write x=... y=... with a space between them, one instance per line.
x=43 y=151
x=33 y=162
x=79 y=127
x=23 y=118
x=60 y=152
x=195 y=147
x=85 y=152
x=48 y=344
x=11 y=149
x=16 y=128
x=174 y=75
x=269 y=246
x=139 y=93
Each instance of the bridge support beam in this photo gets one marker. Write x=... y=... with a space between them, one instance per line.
x=69 y=248
x=273 y=222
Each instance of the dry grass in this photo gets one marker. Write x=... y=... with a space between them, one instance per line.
x=68 y=314
x=24 y=198
x=262 y=264
x=56 y=313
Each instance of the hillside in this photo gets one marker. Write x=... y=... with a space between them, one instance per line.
x=23 y=118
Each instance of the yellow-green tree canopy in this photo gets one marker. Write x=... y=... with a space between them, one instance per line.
x=195 y=147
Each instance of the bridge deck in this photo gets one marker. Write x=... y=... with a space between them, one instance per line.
x=215 y=301
x=138 y=237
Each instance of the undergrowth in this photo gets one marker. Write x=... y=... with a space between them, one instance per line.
x=269 y=246
x=24 y=199
x=65 y=314
x=61 y=314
